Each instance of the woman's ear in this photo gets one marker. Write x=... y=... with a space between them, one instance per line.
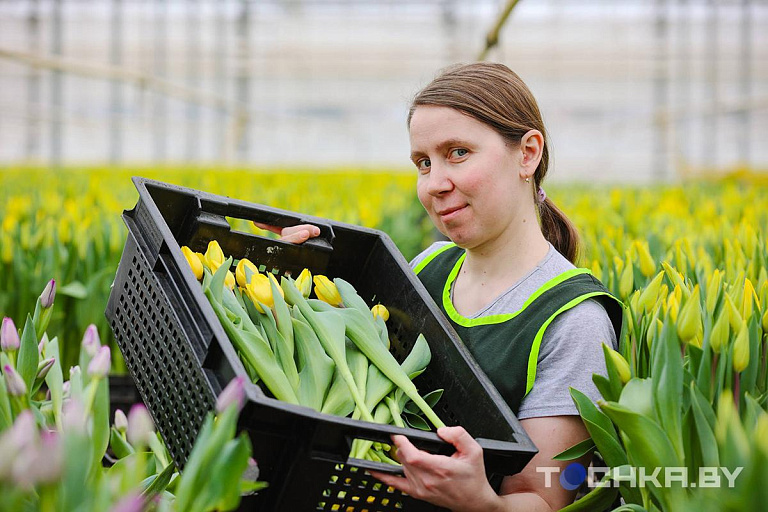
x=531 y=148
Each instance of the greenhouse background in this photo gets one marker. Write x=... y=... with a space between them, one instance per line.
x=140 y=371
x=631 y=91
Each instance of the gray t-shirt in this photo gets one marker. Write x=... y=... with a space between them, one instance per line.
x=571 y=349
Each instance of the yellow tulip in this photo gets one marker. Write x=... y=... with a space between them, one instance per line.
x=647 y=264
x=733 y=313
x=627 y=280
x=277 y=285
x=675 y=278
x=673 y=306
x=713 y=289
x=622 y=367
x=259 y=291
x=654 y=331
x=650 y=293
x=765 y=321
x=244 y=271
x=214 y=255
x=746 y=301
x=304 y=282
x=689 y=320
x=380 y=311
x=194 y=262
x=597 y=270
x=741 y=349
x=229 y=280
x=326 y=291
x=203 y=261
x=720 y=332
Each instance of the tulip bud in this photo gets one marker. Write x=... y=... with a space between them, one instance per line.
x=380 y=311
x=133 y=502
x=746 y=303
x=42 y=344
x=9 y=336
x=91 y=342
x=713 y=289
x=622 y=367
x=626 y=281
x=244 y=271
x=304 y=282
x=765 y=321
x=689 y=321
x=43 y=367
x=327 y=291
x=49 y=293
x=47 y=463
x=650 y=293
x=214 y=255
x=140 y=426
x=13 y=381
x=65 y=388
x=676 y=278
x=121 y=421
x=673 y=306
x=234 y=393
x=733 y=313
x=229 y=280
x=203 y=260
x=194 y=262
x=73 y=417
x=259 y=290
x=654 y=331
x=741 y=349
x=99 y=365
x=718 y=337
x=647 y=264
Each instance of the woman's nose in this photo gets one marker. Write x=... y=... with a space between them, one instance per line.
x=439 y=182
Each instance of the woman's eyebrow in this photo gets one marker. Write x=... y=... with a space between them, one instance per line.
x=440 y=147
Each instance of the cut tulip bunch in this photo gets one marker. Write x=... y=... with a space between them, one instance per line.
x=330 y=353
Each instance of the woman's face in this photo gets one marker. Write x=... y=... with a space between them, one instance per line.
x=470 y=179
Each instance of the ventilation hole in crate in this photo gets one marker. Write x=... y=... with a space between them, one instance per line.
x=262 y=268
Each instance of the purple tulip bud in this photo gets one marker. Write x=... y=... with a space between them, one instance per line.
x=140 y=425
x=49 y=293
x=130 y=503
x=49 y=459
x=91 y=342
x=13 y=381
x=73 y=417
x=9 y=336
x=65 y=389
x=41 y=345
x=234 y=393
x=121 y=422
x=44 y=366
x=99 y=365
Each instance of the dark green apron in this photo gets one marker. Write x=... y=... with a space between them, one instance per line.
x=507 y=346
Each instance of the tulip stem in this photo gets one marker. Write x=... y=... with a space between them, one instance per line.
x=736 y=384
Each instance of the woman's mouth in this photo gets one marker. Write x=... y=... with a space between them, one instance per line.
x=448 y=214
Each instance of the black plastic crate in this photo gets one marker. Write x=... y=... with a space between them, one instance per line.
x=181 y=359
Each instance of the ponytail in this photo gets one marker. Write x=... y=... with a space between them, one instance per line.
x=559 y=230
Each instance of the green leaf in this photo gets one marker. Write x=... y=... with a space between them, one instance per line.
x=591 y=413
x=667 y=376
x=6 y=416
x=415 y=421
x=576 y=451
x=120 y=447
x=652 y=445
x=159 y=484
x=28 y=356
x=602 y=384
x=704 y=420
x=74 y=289
x=599 y=498
x=637 y=396
x=614 y=381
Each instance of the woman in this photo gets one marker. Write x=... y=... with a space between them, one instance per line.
x=506 y=281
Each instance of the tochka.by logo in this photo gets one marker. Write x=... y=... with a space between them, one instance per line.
x=576 y=474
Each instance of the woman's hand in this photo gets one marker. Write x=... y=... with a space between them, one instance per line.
x=457 y=482
x=297 y=234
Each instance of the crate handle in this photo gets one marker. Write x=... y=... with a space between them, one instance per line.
x=272 y=216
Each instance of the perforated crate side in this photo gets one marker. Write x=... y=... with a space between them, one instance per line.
x=157 y=354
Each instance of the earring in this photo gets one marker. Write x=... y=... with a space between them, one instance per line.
x=527 y=180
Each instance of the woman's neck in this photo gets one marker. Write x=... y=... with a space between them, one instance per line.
x=507 y=258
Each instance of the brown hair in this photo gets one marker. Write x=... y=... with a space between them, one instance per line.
x=494 y=94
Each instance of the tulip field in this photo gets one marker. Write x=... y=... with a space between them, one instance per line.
x=687 y=389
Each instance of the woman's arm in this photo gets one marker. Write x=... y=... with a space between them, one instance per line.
x=459 y=482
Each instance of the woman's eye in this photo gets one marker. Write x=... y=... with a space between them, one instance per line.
x=459 y=152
